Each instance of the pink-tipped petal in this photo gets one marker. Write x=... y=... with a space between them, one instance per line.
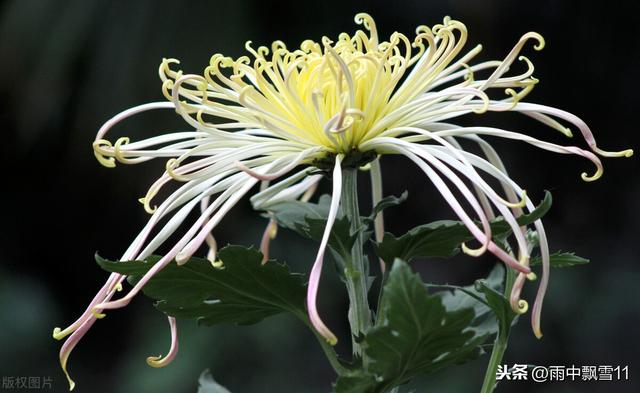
x=159 y=361
x=544 y=282
x=68 y=346
x=518 y=305
x=316 y=270
x=59 y=334
x=77 y=334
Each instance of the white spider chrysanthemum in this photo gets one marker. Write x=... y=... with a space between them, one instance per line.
x=277 y=112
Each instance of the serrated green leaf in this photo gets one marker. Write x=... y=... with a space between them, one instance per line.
x=436 y=239
x=443 y=238
x=243 y=292
x=415 y=334
x=498 y=304
x=493 y=311
x=456 y=297
x=126 y=268
x=561 y=259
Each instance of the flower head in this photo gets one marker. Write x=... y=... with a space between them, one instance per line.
x=278 y=112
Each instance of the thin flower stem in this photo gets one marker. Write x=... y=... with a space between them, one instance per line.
x=499 y=347
x=500 y=344
x=356 y=268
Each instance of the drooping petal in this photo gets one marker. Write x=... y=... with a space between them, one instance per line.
x=316 y=270
x=159 y=361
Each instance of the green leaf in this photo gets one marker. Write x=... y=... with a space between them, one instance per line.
x=415 y=334
x=243 y=292
x=436 y=239
x=386 y=202
x=540 y=211
x=561 y=259
x=492 y=308
x=498 y=304
x=356 y=381
x=486 y=299
x=293 y=214
x=208 y=385
x=310 y=219
x=443 y=238
x=456 y=297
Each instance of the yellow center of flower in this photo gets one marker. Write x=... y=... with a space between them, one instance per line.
x=331 y=94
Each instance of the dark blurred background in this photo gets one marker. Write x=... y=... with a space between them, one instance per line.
x=67 y=66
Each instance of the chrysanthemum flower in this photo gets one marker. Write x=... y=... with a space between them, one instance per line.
x=277 y=112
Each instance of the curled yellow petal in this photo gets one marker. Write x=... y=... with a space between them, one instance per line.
x=103 y=150
x=522 y=307
x=474 y=252
x=59 y=334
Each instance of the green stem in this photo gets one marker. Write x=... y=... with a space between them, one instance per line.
x=500 y=344
x=499 y=347
x=356 y=268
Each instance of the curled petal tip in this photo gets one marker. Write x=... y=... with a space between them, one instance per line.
x=159 y=361
x=72 y=384
x=532 y=276
x=63 y=365
x=523 y=200
x=97 y=314
x=521 y=307
x=218 y=264
x=58 y=334
x=146 y=205
x=520 y=204
x=108 y=162
x=170 y=60
x=485 y=104
x=155 y=361
x=181 y=258
x=585 y=176
x=538 y=37
x=366 y=167
x=537 y=332
x=117 y=148
x=361 y=17
x=103 y=156
x=474 y=252
x=623 y=153
x=171 y=166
